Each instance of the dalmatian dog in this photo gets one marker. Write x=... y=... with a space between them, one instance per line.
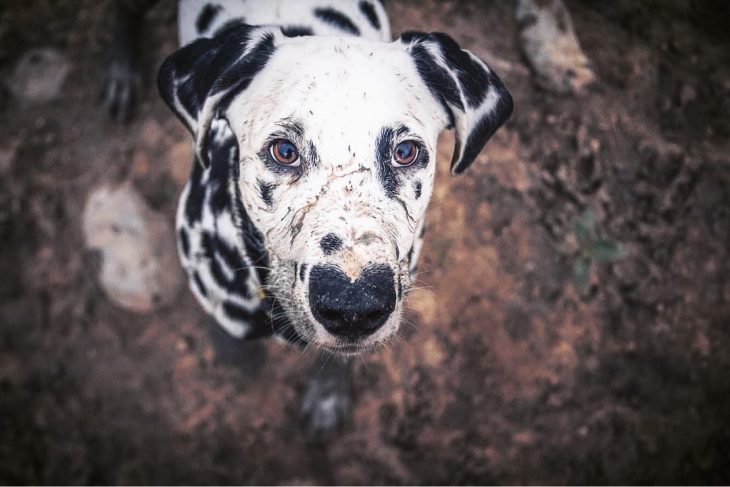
x=314 y=159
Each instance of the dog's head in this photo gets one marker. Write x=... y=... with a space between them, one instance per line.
x=337 y=146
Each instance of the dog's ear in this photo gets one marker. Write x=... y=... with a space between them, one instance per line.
x=199 y=81
x=473 y=97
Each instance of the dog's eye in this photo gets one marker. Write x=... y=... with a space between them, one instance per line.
x=284 y=152
x=405 y=153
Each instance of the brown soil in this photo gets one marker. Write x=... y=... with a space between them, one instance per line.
x=520 y=366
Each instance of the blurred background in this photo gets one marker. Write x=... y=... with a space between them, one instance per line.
x=571 y=322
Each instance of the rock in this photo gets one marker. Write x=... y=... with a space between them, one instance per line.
x=39 y=75
x=551 y=46
x=139 y=269
x=687 y=94
x=8 y=151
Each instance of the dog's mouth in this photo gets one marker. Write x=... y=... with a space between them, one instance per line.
x=324 y=308
x=351 y=349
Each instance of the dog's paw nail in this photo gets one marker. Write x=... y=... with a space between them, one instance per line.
x=119 y=90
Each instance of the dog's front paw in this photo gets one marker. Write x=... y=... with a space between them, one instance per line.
x=326 y=406
x=120 y=88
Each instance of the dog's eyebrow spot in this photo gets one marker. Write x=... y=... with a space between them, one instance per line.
x=206 y=16
x=383 y=153
x=302 y=271
x=296 y=31
x=330 y=243
x=313 y=156
x=417 y=186
x=369 y=11
x=292 y=126
x=265 y=190
x=337 y=19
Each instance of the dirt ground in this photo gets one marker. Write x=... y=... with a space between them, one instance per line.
x=572 y=322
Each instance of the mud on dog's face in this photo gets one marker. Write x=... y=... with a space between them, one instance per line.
x=336 y=143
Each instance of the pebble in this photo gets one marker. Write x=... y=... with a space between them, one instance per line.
x=552 y=48
x=39 y=75
x=139 y=266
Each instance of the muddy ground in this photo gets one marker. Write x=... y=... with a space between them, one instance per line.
x=543 y=348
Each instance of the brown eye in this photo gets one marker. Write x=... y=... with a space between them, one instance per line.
x=405 y=153
x=284 y=152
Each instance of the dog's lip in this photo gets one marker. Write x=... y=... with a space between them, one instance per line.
x=349 y=349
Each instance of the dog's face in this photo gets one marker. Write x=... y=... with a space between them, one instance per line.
x=337 y=140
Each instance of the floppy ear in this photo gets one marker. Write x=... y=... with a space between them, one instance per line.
x=473 y=97
x=199 y=81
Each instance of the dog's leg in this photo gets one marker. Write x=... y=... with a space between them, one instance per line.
x=327 y=402
x=122 y=80
x=247 y=355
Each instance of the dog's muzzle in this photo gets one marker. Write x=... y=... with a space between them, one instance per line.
x=351 y=309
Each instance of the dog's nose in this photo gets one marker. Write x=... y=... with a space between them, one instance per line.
x=351 y=309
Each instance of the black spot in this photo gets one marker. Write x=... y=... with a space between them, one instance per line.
x=206 y=16
x=297 y=31
x=330 y=243
x=230 y=26
x=313 y=155
x=369 y=11
x=217 y=251
x=196 y=196
x=441 y=85
x=238 y=313
x=417 y=187
x=184 y=241
x=400 y=287
x=266 y=190
x=199 y=285
x=239 y=76
x=386 y=172
x=338 y=19
x=302 y=271
x=473 y=78
x=253 y=239
x=222 y=157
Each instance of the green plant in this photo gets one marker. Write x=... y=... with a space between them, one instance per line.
x=592 y=248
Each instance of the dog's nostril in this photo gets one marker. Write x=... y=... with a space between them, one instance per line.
x=330 y=314
x=351 y=309
x=330 y=243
